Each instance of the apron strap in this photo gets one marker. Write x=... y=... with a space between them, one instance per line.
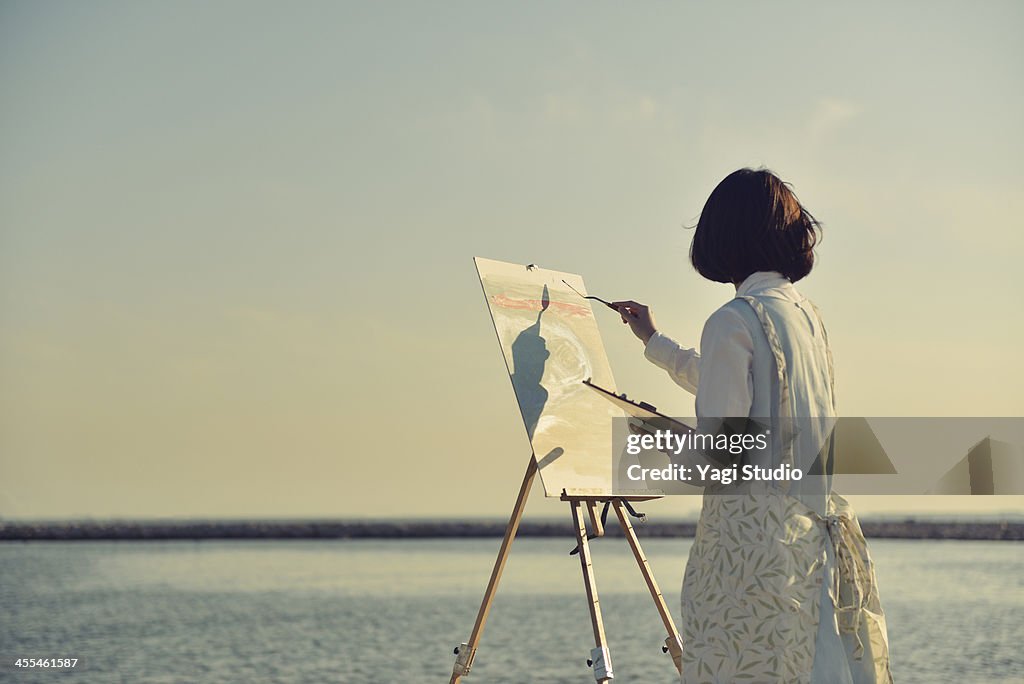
x=785 y=409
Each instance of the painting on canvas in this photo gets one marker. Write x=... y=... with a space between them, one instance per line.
x=551 y=344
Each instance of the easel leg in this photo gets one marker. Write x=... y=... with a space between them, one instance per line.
x=467 y=652
x=673 y=644
x=601 y=660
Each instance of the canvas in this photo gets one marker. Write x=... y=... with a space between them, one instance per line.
x=551 y=344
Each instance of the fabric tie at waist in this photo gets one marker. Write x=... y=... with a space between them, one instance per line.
x=851 y=583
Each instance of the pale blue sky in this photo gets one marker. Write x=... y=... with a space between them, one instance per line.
x=236 y=238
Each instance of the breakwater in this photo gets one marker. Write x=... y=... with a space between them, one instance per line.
x=441 y=529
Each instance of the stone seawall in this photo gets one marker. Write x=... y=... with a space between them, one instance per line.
x=448 y=529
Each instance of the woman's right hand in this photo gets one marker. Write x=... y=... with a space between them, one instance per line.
x=638 y=317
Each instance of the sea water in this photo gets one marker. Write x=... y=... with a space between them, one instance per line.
x=392 y=611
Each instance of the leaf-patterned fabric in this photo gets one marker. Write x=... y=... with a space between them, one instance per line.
x=752 y=592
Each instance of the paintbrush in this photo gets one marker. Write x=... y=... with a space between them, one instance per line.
x=597 y=299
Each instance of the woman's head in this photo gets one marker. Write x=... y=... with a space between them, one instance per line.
x=753 y=222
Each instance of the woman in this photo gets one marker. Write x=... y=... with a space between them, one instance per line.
x=779 y=586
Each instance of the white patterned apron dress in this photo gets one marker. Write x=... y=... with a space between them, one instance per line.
x=779 y=586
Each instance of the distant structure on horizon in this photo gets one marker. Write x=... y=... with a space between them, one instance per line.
x=990 y=467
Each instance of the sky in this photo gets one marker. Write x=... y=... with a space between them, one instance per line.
x=236 y=238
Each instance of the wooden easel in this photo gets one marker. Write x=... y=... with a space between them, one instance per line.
x=599 y=660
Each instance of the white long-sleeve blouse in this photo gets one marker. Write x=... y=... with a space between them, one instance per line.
x=721 y=374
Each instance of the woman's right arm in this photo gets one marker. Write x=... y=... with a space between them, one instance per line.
x=682 y=364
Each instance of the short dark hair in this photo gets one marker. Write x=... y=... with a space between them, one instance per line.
x=753 y=222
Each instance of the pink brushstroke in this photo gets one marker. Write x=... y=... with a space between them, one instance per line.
x=536 y=305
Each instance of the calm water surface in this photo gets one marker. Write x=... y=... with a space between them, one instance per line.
x=391 y=611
